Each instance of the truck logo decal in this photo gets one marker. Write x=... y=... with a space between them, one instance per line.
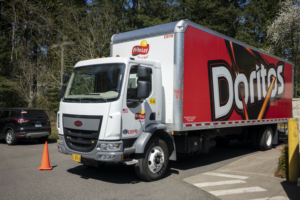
x=141 y=116
x=142 y=49
x=247 y=86
x=78 y=123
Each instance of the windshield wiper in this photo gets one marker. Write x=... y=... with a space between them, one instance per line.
x=93 y=99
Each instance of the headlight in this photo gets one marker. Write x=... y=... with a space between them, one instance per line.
x=109 y=146
x=113 y=147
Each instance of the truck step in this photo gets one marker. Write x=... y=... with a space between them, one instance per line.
x=130 y=162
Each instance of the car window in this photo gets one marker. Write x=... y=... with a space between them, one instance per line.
x=5 y=114
x=31 y=114
x=13 y=113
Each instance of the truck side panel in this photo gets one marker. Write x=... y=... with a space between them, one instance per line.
x=224 y=82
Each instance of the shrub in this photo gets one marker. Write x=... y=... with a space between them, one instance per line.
x=282 y=168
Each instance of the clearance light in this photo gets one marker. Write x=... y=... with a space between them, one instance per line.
x=92 y=58
x=117 y=55
x=97 y=57
x=80 y=60
x=103 y=57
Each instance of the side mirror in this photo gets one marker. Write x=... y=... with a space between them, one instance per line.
x=65 y=78
x=143 y=72
x=143 y=89
x=63 y=90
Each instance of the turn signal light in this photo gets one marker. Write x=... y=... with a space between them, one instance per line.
x=21 y=120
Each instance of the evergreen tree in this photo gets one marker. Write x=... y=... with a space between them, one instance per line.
x=258 y=15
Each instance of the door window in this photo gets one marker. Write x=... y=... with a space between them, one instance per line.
x=132 y=100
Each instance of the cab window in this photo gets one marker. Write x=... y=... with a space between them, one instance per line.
x=132 y=100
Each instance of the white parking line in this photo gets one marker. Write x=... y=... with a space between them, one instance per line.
x=225 y=175
x=207 y=184
x=273 y=198
x=237 y=191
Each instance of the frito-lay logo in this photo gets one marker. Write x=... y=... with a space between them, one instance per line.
x=141 y=115
x=248 y=86
x=143 y=49
x=78 y=123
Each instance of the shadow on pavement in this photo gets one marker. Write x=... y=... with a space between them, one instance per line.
x=110 y=172
x=123 y=174
x=26 y=142
x=291 y=190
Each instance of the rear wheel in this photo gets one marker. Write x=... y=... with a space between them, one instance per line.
x=265 y=138
x=10 y=137
x=153 y=165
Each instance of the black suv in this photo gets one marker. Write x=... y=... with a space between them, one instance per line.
x=22 y=123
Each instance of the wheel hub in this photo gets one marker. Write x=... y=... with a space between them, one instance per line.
x=9 y=137
x=156 y=159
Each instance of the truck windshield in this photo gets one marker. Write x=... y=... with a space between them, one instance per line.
x=95 y=83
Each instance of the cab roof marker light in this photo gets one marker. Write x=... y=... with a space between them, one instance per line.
x=103 y=57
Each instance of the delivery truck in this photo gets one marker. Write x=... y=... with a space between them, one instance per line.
x=170 y=89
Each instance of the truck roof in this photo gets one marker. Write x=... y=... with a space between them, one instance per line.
x=173 y=27
x=115 y=60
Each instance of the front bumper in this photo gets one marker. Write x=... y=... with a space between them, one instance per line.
x=32 y=134
x=98 y=155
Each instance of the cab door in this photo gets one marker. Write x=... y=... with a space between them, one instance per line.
x=136 y=113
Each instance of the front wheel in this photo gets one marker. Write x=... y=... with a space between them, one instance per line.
x=154 y=162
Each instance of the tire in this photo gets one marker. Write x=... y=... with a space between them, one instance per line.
x=154 y=162
x=265 y=138
x=10 y=137
x=43 y=139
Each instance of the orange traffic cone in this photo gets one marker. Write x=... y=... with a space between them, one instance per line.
x=45 y=165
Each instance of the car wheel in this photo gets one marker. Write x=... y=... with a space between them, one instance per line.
x=10 y=137
x=154 y=162
x=265 y=138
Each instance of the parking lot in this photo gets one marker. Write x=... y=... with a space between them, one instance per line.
x=21 y=179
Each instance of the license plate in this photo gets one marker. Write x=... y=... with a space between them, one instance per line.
x=38 y=125
x=76 y=157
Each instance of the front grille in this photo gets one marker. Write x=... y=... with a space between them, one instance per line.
x=82 y=137
x=81 y=140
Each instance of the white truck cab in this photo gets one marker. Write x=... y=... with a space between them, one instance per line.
x=107 y=105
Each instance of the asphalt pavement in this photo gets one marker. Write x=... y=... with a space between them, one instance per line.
x=21 y=179
x=251 y=177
